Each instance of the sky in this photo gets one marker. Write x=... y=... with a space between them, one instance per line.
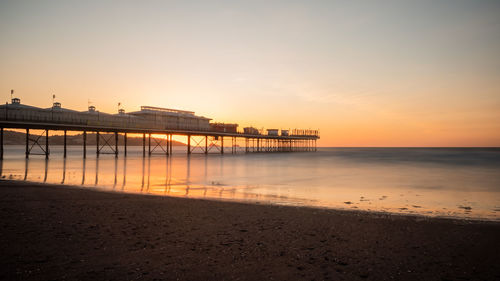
x=365 y=73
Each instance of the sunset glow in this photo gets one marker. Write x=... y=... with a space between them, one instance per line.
x=405 y=74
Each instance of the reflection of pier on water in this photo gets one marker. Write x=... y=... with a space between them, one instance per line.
x=83 y=170
x=176 y=173
x=64 y=171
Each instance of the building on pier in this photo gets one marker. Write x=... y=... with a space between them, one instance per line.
x=148 y=117
x=272 y=132
x=224 y=127
x=251 y=131
x=173 y=118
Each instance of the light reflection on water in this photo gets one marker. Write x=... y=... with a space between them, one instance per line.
x=433 y=182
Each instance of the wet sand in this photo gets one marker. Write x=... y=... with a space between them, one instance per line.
x=58 y=232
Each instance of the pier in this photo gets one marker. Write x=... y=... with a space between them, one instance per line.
x=156 y=125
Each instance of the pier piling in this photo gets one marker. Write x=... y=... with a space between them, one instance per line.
x=27 y=143
x=206 y=144
x=97 y=144
x=65 y=152
x=149 y=144
x=1 y=143
x=116 y=144
x=221 y=145
x=125 y=144
x=46 y=144
x=144 y=145
x=84 y=144
x=171 y=144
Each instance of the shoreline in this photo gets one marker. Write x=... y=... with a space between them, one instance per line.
x=265 y=203
x=51 y=232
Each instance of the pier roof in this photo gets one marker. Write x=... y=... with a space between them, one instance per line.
x=146 y=110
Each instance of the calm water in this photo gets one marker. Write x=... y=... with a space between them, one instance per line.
x=427 y=181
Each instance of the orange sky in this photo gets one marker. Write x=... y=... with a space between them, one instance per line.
x=365 y=74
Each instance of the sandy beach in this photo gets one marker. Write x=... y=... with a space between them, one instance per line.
x=59 y=232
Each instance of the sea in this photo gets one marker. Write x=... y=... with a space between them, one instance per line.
x=429 y=182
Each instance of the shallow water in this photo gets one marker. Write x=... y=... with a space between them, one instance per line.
x=450 y=182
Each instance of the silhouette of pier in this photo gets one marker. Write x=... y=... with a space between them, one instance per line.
x=156 y=125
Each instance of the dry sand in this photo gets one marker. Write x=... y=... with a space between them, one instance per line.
x=56 y=232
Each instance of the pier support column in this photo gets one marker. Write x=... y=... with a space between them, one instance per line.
x=1 y=143
x=189 y=145
x=149 y=144
x=143 y=145
x=206 y=144
x=116 y=144
x=65 y=152
x=97 y=144
x=46 y=144
x=125 y=144
x=171 y=144
x=221 y=144
x=84 y=144
x=27 y=143
x=167 y=152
